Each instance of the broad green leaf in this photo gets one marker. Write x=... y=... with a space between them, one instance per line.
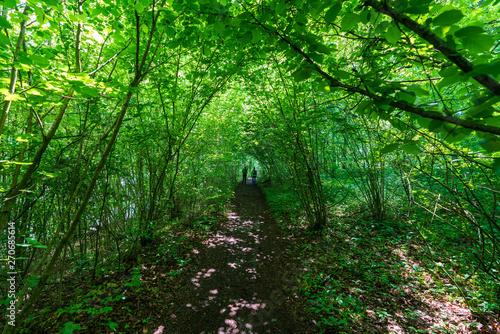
x=382 y=27
x=417 y=10
x=478 y=43
x=70 y=327
x=139 y=7
x=321 y=48
x=456 y=134
x=491 y=144
x=484 y=108
x=170 y=32
x=411 y=148
x=219 y=27
x=280 y=7
x=9 y=3
x=447 y=81
x=408 y=97
x=469 y=31
x=363 y=107
x=448 y=18
x=302 y=74
x=32 y=241
x=40 y=60
x=247 y=37
x=393 y=33
x=236 y=22
x=418 y=90
x=493 y=121
x=90 y=92
x=349 y=21
x=341 y=74
x=496 y=165
x=332 y=13
x=4 y=40
x=4 y=23
x=256 y=36
x=14 y=97
x=389 y=148
x=119 y=38
x=114 y=325
x=397 y=124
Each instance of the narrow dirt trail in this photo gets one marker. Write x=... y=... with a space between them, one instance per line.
x=243 y=281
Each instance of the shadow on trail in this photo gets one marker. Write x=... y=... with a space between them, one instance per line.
x=244 y=279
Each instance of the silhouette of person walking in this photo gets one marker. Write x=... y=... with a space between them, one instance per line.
x=245 y=173
x=254 y=176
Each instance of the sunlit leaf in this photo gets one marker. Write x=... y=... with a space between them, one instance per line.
x=448 y=18
x=4 y=23
x=411 y=148
x=393 y=33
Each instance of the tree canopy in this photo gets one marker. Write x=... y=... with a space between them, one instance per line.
x=121 y=117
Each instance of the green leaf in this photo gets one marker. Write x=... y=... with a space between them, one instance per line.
x=40 y=60
x=4 y=40
x=496 y=165
x=4 y=23
x=302 y=74
x=447 y=81
x=411 y=148
x=393 y=33
x=321 y=48
x=364 y=107
x=32 y=241
x=70 y=327
x=89 y=92
x=493 y=121
x=219 y=27
x=332 y=13
x=9 y=3
x=170 y=32
x=381 y=28
x=14 y=97
x=406 y=96
x=236 y=22
x=112 y=325
x=247 y=37
x=341 y=74
x=139 y=7
x=419 y=91
x=349 y=21
x=448 y=18
x=389 y=148
x=491 y=144
x=280 y=7
x=469 y=31
x=256 y=36
x=478 y=43
x=417 y=10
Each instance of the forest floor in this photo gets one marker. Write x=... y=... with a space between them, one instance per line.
x=236 y=276
x=249 y=273
x=244 y=278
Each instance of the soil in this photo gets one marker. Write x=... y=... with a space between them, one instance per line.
x=244 y=280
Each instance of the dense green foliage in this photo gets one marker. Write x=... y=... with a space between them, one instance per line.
x=121 y=119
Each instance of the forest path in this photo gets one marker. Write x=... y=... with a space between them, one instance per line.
x=244 y=278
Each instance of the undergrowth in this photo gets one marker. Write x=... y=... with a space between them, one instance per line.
x=367 y=276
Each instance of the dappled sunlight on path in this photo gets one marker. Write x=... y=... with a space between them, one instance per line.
x=238 y=284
